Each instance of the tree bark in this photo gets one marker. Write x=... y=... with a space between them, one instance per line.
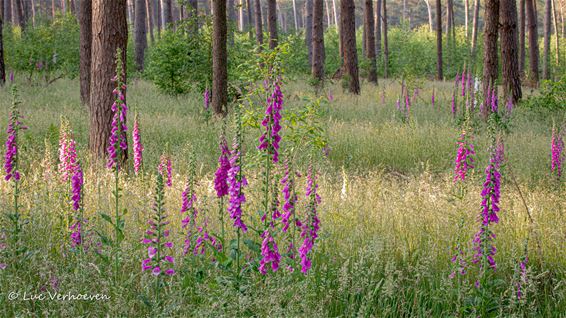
x=378 y=29
x=8 y=11
x=318 y=41
x=140 y=33
x=509 y=50
x=475 y=27
x=533 y=42
x=149 y=19
x=466 y=16
x=439 y=75
x=272 y=23
x=249 y=16
x=546 y=40
x=110 y=32
x=556 y=36
x=522 y=37
x=20 y=13
x=385 y=42
x=308 y=28
x=370 y=47
x=158 y=19
x=335 y=13
x=349 y=36
x=295 y=15
x=167 y=13
x=219 y=58
x=2 y=65
x=429 y=11
x=258 y=24
x=491 y=30
x=85 y=57
x=192 y=14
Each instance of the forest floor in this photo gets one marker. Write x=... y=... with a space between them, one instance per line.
x=392 y=217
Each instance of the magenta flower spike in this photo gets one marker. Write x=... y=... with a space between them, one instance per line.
x=206 y=99
x=165 y=168
x=11 y=145
x=464 y=158
x=522 y=277
x=221 y=174
x=494 y=101
x=236 y=182
x=77 y=182
x=269 y=252
x=118 y=139
x=68 y=163
x=290 y=199
x=137 y=146
x=271 y=137
x=557 y=153
x=310 y=227
x=432 y=98
x=453 y=105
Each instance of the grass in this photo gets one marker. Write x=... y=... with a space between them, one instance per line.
x=391 y=215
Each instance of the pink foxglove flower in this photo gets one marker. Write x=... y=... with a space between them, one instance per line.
x=118 y=140
x=138 y=147
x=270 y=139
x=236 y=182
x=289 y=197
x=464 y=158
x=165 y=169
x=269 y=252
x=310 y=227
x=221 y=175
x=11 y=154
x=557 y=153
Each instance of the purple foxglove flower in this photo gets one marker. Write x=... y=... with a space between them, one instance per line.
x=330 y=96
x=77 y=187
x=236 y=182
x=269 y=252
x=221 y=175
x=289 y=197
x=522 y=277
x=206 y=99
x=271 y=138
x=432 y=98
x=494 y=102
x=138 y=147
x=310 y=227
x=453 y=105
x=557 y=153
x=12 y=76
x=165 y=169
x=11 y=155
x=118 y=140
x=464 y=158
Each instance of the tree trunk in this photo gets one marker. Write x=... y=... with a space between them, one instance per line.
x=167 y=13
x=466 y=16
x=509 y=50
x=385 y=42
x=347 y=11
x=258 y=24
x=20 y=13
x=110 y=32
x=378 y=29
x=2 y=65
x=318 y=41
x=158 y=18
x=219 y=58
x=149 y=19
x=335 y=13
x=192 y=14
x=475 y=27
x=295 y=15
x=241 y=17
x=308 y=28
x=429 y=10
x=370 y=47
x=533 y=42
x=85 y=13
x=140 y=33
x=546 y=40
x=328 y=21
x=491 y=29
x=556 y=36
x=272 y=22
x=522 y=37
x=439 y=75
x=130 y=6
x=249 y=17
x=8 y=11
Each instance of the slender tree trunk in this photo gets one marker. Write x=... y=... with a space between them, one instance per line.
x=20 y=13
x=429 y=10
x=522 y=37
x=219 y=58
x=140 y=33
x=533 y=42
x=272 y=22
x=192 y=14
x=556 y=36
x=546 y=40
x=241 y=17
x=249 y=17
x=347 y=11
x=110 y=32
x=378 y=29
x=2 y=65
x=85 y=13
x=475 y=27
x=439 y=75
x=385 y=42
x=466 y=16
x=491 y=28
x=167 y=13
x=509 y=50
x=8 y=11
x=318 y=41
x=149 y=19
x=335 y=13
x=158 y=18
x=130 y=5
x=258 y=24
x=32 y=9
x=369 y=22
x=295 y=15
x=308 y=28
